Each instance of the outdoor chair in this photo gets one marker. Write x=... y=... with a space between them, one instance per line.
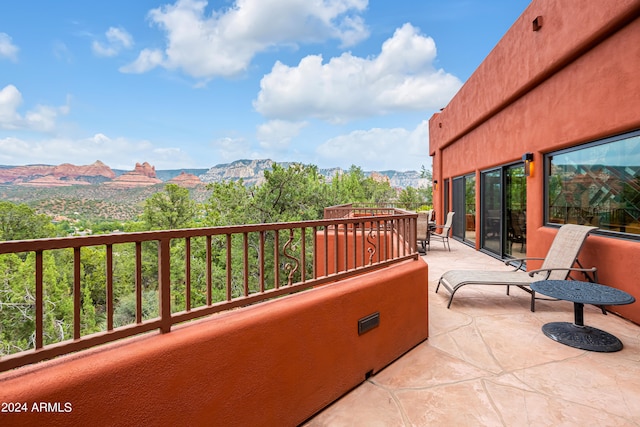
x=517 y=230
x=444 y=234
x=557 y=265
x=422 y=228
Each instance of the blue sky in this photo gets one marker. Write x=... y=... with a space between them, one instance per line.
x=192 y=84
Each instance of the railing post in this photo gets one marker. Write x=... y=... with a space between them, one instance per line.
x=39 y=302
x=164 y=283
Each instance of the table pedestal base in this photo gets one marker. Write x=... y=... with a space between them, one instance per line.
x=583 y=337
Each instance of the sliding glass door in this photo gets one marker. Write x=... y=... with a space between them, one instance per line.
x=492 y=219
x=457 y=202
x=503 y=205
x=516 y=212
x=464 y=206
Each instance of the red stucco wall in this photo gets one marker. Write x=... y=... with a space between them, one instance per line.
x=573 y=81
x=271 y=364
x=375 y=247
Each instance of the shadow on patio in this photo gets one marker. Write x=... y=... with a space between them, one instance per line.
x=487 y=362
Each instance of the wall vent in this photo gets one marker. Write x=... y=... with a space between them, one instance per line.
x=369 y=322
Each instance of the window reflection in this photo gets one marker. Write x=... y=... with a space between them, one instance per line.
x=598 y=185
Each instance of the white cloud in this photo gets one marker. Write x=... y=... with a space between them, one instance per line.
x=276 y=135
x=229 y=149
x=10 y=100
x=147 y=60
x=402 y=77
x=117 y=39
x=223 y=42
x=7 y=48
x=42 y=118
x=118 y=153
x=380 y=149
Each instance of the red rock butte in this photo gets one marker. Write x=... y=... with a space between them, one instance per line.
x=186 y=180
x=143 y=175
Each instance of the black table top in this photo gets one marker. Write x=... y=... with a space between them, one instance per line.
x=582 y=292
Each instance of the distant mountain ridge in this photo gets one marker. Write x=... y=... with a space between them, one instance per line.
x=144 y=174
x=252 y=173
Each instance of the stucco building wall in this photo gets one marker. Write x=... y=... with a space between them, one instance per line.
x=572 y=81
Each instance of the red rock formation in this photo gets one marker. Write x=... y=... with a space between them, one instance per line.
x=96 y=169
x=52 y=181
x=378 y=177
x=20 y=174
x=143 y=175
x=24 y=173
x=145 y=169
x=186 y=180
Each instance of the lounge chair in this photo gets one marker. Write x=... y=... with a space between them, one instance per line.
x=444 y=234
x=557 y=265
x=422 y=228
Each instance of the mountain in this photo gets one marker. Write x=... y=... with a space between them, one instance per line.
x=252 y=173
x=92 y=174
x=144 y=175
x=67 y=175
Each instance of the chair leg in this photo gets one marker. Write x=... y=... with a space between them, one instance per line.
x=533 y=301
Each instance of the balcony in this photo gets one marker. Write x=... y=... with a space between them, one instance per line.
x=487 y=362
x=289 y=354
x=286 y=316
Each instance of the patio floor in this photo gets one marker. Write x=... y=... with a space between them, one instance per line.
x=487 y=363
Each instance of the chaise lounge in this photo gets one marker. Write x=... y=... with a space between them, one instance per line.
x=557 y=265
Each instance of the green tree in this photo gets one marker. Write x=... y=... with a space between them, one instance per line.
x=409 y=198
x=355 y=187
x=415 y=198
x=170 y=209
x=230 y=203
x=296 y=193
x=425 y=173
x=19 y=222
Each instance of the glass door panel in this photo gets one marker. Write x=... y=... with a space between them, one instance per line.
x=458 y=204
x=470 y=208
x=492 y=218
x=516 y=212
x=464 y=205
x=446 y=200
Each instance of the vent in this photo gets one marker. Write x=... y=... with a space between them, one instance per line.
x=369 y=322
x=537 y=23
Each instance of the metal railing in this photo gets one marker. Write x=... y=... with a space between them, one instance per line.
x=351 y=210
x=235 y=266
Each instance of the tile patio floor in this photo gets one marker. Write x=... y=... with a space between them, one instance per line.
x=487 y=363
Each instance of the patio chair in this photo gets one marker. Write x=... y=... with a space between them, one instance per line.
x=557 y=265
x=422 y=228
x=444 y=234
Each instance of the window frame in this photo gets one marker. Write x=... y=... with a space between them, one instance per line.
x=547 y=173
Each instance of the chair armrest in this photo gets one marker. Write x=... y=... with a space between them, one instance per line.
x=585 y=271
x=520 y=262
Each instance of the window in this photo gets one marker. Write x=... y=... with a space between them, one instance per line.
x=596 y=184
